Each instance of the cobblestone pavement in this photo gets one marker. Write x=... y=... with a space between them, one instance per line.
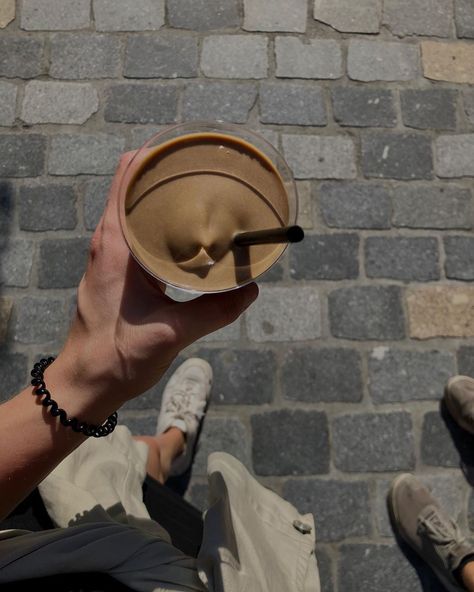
x=331 y=384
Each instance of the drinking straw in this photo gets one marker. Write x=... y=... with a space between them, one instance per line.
x=285 y=234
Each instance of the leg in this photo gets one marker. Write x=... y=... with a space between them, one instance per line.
x=467 y=575
x=163 y=449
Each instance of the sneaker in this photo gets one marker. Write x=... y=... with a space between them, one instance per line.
x=184 y=405
x=419 y=520
x=459 y=399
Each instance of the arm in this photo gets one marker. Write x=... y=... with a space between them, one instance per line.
x=125 y=334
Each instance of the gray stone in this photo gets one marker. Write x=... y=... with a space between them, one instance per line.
x=58 y=102
x=305 y=204
x=13 y=374
x=274 y=274
x=228 y=333
x=23 y=155
x=314 y=375
x=455 y=155
x=95 y=192
x=203 y=15
x=318 y=58
x=355 y=205
x=325 y=257
x=429 y=108
x=198 y=496
x=469 y=104
x=320 y=157
x=275 y=15
x=363 y=107
x=6 y=307
x=54 y=15
x=348 y=16
x=8 y=94
x=218 y=101
x=459 y=263
x=465 y=357
x=373 y=442
x=122 y=15
x=241 y=376
x=228 y=56
x=408 y=375
x=325 y=568
x=367 y=312
x=161 y=56
x=139 y=425
x=143 y=133
x=16 y=263
x=47 y=207
x=141 y=103
x=428 y=206
x=7 y=203
x=283 y=314
x=382 y=60
x=397 y=156
x=62 y=262
x=39 y=320
x=423 y=17
x=21 y=57
x=292 y=104
x=402 y=258
x=464 y=18
x=85 y=55
x=341 y=509
x=77 y=154
x=304 y=449
x=439 y=440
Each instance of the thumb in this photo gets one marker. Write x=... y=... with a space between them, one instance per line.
x=211 y=312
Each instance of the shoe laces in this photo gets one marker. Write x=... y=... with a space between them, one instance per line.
x=184 y=403
x=442 y=532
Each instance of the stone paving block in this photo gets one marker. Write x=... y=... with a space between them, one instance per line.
x=290 y=442
x=85 y=55
x=283 y=314
x=349 y=17
x=143 y=426
x=275 y=15
x=7 y=13
x=274 y=274
x=363 y=107
x=47 y=207
x=54 y=15
x=341 y=509
x=441 y=311
x=58 y=102
x=423 y=17
x=355 y=205
x=318 y=58
x=429 y=108
x=389 y=447
x=21 y=57
x=17 y=261
x=122 y=15
x=198 y=496
x=455 y=155
x=6 y=307
x=459 y=263
x=382 y=60
x=23 y=155
x=95 y=192
x=228 y=333
x=367 y=312
x=241 y=376
x=464 y=10
x=141 y=103
x=161 y=56
x=325 y=568
x=320 y=157
x=7 y=202
x=292 y=104
x=90 y=154
x=316 y=375
x=469 y=104
x=397 y=156
x=465 y=357
x=62 y=262
x=203 y=15
x=39 y=320
x=429 y=206
x=408 y=375
x=449 y=61
x=227 y=56
x=223 y=101
x=443 y=442
x=8 y=92
x=13 y=374
x=325 y=257
x=305 y=204
x=402 y=258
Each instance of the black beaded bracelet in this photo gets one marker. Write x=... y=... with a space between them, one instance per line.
x=40 y=389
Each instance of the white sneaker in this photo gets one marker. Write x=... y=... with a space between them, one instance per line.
x=183 y=405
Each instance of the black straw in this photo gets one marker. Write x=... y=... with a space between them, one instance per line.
x=285 y=234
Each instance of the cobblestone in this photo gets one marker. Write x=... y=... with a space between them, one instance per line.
x=161 y=56
x=53 y=15
x=17 y=262
x=62 y=262
x=95 y=193
x=275 y=15
x=303 y=451
x=203 y=15
x=121 y=15
x=292 y=104
x=39 y=320
x=465 y=358
x=382 y=60
x=464 y=11
x=325 y=257
x=448 y=61
x=363 y=107
x=93 y=154
x=14 y=373
x=21 y=57
x=431 y=108
x=459 y=264
x=319 y=58
x=423 y=17
x=141 y=103
x=223 y=101
x=6 y=307
x=437 y=446
x=47 y=207
x=8 y=92
x=7 y=13
x=455 y=156
x=348 y=17
x=226 y=56
x=469 y=104
x=23 y=155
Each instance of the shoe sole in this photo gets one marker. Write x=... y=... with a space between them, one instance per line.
x=449 y=405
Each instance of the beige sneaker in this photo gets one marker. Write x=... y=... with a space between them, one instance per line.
x=459 y=399
x=419 y=520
